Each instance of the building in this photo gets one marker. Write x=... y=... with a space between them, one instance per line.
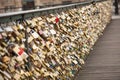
x=10 y=5
x=18 y=5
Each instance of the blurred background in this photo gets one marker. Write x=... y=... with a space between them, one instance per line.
x=19 y=5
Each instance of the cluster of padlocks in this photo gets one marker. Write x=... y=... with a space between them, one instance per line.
x=57 y=44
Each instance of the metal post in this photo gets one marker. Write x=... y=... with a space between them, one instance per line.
x=116 y=7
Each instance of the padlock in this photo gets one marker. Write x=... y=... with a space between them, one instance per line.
x=20 y=52
x=1 y=36
x=6 y=74
x=4 y=34
x=20 y=26
x=8 y=29
x=35 y=48
x=48 y=20
x=53 y=31
x=28 y=22
x=6 y=59
x=30 y=39
x=34 y=34
x=3 y=66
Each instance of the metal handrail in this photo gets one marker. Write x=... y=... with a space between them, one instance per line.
x=16 y=15
x=20 y=14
